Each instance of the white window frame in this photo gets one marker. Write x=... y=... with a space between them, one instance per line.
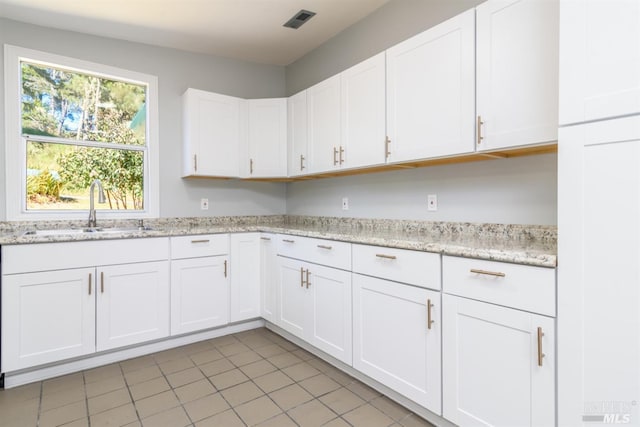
x=15 y=149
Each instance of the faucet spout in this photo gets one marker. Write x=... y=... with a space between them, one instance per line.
x=101 y=199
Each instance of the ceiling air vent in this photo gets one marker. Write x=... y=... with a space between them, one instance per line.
x=298 y=19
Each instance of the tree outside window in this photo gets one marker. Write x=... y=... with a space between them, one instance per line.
x=78 y=127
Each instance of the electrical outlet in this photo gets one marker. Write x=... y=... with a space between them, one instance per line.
x=204 y=204
x=345 y=203
x=432 y=202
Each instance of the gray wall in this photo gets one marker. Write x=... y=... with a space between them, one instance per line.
x=176 y=71
x=517 y=191
x=390 y=24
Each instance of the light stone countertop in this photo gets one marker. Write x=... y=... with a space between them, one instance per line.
x=521 y=244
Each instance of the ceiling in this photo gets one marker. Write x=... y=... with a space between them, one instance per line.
x=243 y=29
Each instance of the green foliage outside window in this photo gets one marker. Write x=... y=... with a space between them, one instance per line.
x=106 y=117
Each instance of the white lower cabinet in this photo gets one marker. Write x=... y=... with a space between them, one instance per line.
x=132 y=304
x=245 y=276
x=397 y=338
x=315 y=305
x=269 y=277
x=498 y=365
x=51 y=317
x=199 y=294
x=199 y=282
x=64 y=300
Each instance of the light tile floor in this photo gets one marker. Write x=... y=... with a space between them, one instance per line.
x=250 y=378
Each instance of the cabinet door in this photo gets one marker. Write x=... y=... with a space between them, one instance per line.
x=199 y=294
x=211 y=137
x=245 y=276
x=430 y=92
x=132 y=304
x=517 y=72
x=47 y=317
x=269 y=277
x=599 y=59
x=329 y=293
x=292 y=305
x=363 y=113
x=491 y=371
x=392 y=340
x=297 y=134
x=267 y=138
x=323 y=120
x=598 y=292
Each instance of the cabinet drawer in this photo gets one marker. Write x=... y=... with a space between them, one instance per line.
x=400 y=265
x=318 y=251
x=199 y=246
x=518 y=286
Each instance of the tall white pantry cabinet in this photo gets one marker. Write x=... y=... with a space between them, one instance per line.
x=599 y=213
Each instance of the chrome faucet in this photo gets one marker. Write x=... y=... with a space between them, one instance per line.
x=101 y=199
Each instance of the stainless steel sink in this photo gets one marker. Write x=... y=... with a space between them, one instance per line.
x=76 y=231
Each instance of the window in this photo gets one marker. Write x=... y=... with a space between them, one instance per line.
x=70 y=122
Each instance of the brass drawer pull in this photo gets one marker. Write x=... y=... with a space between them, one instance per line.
x=288 y=241
x=265 y=238
x=102 y=282
x=429 y=320
x=201 y=241
x=308 y=282
x=487 y=273
x=90 y=282
x=386 y=256
x=225 y=268
x=325 y=247
x=540 y=353
x=301 y=277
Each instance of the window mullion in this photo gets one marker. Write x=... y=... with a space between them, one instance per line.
x=84 y=143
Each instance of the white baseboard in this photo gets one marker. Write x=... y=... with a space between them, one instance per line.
x=17 y=378
x=391 y=394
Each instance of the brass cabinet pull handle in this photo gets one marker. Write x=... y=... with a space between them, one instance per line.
x=225 y=268
x=429 y=320
x=335 y=154
x=308 y=282
x=265 y=238
x=540 y=353
x=387 y=153
x=195 y=163
x=301 y=276
x=386 y=256
x=325 y=247
x=102 y=282
x=251 y=166
x=487 y=273
x=301 y=162
x=201 y=241
x=341 y=155
x=90 y=280
x=288 y=241
x=479 y=124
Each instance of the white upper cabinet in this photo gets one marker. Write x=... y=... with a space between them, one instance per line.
x=517 y=73
x=266 y=138
x=430 y=92
x=323 y=120
x=363 y=113
x=600 y=59
x=211 y=134
x=297 y=134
